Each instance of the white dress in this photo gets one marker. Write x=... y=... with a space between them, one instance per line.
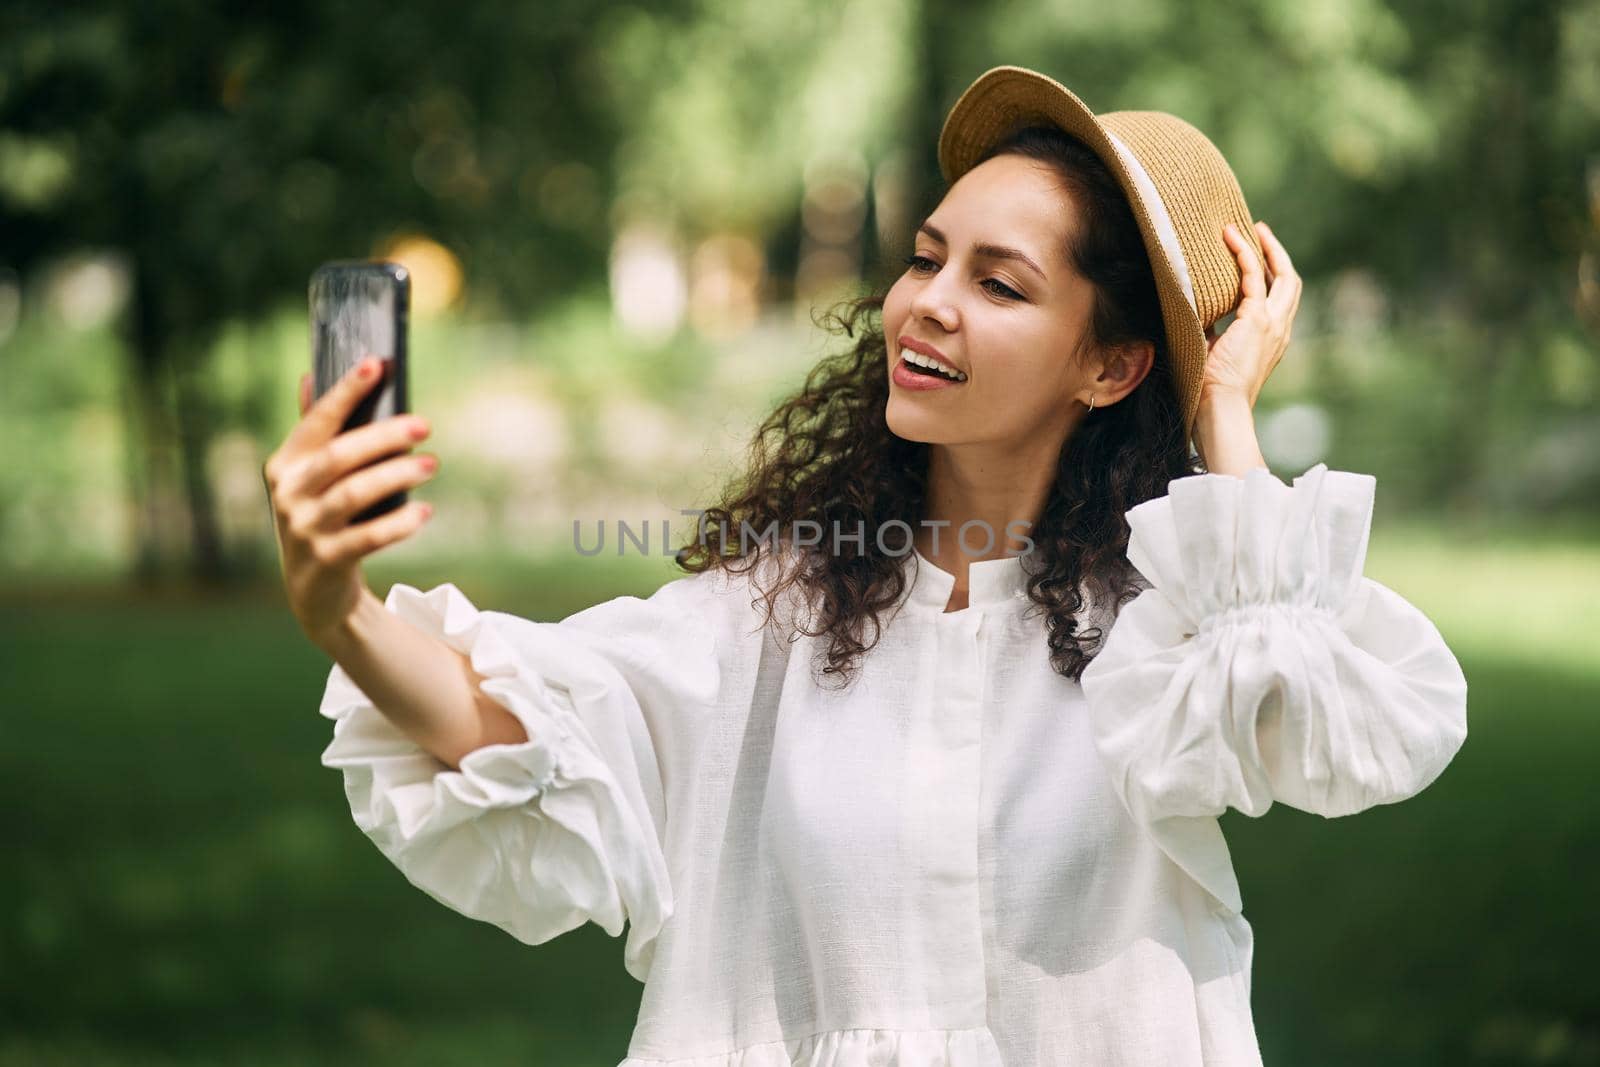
x=962 y=860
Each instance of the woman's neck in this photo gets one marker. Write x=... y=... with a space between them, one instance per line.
x=996 y=493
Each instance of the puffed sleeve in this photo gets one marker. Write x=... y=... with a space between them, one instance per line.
x=1261 y=664
x=538 y=837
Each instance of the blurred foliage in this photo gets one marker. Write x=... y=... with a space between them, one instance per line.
x=224 y=150
x=223 y=153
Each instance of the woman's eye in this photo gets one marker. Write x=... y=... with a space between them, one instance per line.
x=921 y=263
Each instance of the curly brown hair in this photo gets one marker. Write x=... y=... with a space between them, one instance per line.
x=826 y=455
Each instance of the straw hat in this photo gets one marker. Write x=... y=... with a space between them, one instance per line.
x=1180 y=188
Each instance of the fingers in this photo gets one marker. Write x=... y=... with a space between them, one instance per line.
x=369 y=485
x=354 y=449
x=1252 y=283
x=367 y=537
x=325 y=417
x=305 y=392
x=1286 y=286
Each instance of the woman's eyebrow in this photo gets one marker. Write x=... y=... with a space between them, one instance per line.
x=984 y=249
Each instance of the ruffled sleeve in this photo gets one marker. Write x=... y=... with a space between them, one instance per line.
x=538 y=837
x=1261 y=664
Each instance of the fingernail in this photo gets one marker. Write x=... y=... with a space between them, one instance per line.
x=430 y=463
x=368 y=369
x=427 y=510
x=1264 y=226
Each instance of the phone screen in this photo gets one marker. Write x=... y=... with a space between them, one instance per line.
x=358 y=309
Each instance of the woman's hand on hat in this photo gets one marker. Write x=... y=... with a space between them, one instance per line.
x=1244 y=355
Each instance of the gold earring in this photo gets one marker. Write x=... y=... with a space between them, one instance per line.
x=1091 y=403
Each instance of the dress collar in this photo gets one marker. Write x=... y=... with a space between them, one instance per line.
x=989 y=581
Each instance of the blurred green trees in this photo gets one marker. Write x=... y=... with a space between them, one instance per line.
x=225 y=152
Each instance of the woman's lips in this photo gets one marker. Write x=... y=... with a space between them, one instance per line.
x=906 y=378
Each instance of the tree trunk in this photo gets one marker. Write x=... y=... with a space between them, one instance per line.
x=208 y=563
x=168 y=480
x=148 y=464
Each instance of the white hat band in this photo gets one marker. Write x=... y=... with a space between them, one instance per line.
x=1166 y=233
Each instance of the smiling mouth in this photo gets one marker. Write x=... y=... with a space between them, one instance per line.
x=910 y=358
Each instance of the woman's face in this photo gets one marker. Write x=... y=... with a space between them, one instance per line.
x=1010 y=324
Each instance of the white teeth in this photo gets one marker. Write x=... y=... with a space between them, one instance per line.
x=932 y=364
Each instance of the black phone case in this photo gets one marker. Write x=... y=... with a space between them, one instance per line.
x=359 y=308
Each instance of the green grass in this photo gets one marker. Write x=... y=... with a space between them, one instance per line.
x=185 y=885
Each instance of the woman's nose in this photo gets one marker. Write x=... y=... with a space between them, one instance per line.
x=932 y=302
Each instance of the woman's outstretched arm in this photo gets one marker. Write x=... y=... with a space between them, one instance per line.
x=426 y=688
x=317 y=480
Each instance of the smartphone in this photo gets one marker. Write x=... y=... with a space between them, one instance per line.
x=359 y=309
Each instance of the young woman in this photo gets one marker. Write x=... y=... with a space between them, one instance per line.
x=932 y=775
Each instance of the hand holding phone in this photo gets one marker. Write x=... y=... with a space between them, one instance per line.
x=359 y=309
x=320 y=477
x=337 y=484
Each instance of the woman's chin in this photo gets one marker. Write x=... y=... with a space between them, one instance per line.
x=909 y=424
